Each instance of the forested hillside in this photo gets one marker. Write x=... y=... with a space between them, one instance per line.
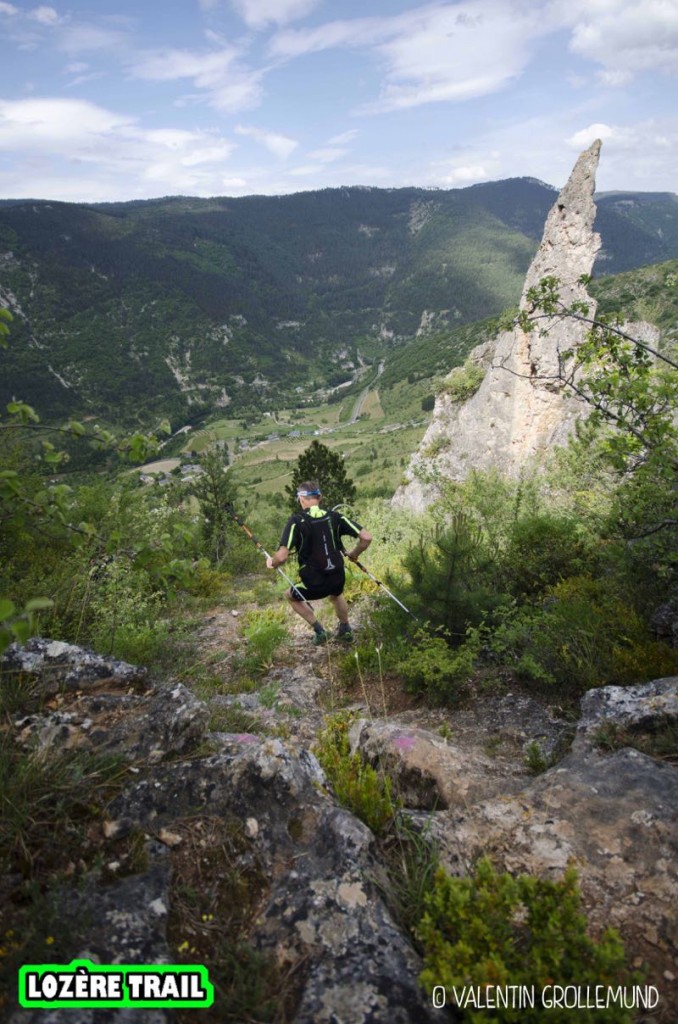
x=134 y=311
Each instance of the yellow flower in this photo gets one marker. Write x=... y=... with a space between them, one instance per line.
x=49 y=941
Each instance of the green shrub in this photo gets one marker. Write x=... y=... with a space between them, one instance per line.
x=357 y=785
x=265 y=630
x=436 y=446
x=142 y=644
x=435 y=669
x=582 y=635
x=464 y=381
x=454 y=576
x=543 y=549
x=496 y=929
x=535 y=762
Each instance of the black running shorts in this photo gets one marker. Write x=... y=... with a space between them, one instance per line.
x=315 y=585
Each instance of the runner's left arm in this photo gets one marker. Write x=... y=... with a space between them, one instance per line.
x=364 y=539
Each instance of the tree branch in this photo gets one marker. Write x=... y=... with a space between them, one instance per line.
x=564 y=312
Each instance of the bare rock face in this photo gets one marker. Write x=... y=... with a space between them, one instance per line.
x=429 y=774
x=101 y=704
x=611 y=814
x=519 y=410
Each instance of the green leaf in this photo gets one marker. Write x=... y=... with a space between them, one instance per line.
x=26 y=413
x=7 y=608
x=39 y=604
x=21 y=630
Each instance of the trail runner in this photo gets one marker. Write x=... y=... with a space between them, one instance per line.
x=315 y=534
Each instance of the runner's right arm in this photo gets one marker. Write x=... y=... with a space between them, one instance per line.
x=281 y=555
x=288 y=540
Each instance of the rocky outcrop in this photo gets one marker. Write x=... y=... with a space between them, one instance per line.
x=260 y=807
x=102 y=704
x=320 y=912
x=520 y=409
x=484 y=753
x=611 y=813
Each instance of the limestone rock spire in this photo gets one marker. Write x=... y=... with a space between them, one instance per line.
x=519 y=411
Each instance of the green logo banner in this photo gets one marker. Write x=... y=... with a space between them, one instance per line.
x=87 y=985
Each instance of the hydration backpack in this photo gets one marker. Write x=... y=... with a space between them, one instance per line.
x=319 y=541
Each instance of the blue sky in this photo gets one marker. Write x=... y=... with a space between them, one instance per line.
x=112 y=101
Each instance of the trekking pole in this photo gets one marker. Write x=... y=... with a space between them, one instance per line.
x=383 y=587
x=243 y=526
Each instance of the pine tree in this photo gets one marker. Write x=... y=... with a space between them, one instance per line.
x=214 y=489
x=319 y=463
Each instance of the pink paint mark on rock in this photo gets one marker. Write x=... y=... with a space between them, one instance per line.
x=404 y=742
x=246 y=737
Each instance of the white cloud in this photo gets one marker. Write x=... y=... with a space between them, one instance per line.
x=468 y=175
x=39 y=123
x=49 y=133
x=328 y=154
x=625 y=37
x=432 y=53
x=85 y=38
x=45 y=15
x=361 y=32
x=341 y=140
x=455 y=53
x=9 y=9
x=280 y=145
x=260 y=13
x=217 y=73
x=586 y=136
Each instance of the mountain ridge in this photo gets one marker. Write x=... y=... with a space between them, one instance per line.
x=181 y=305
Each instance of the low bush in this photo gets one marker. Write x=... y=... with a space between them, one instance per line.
x=362 y=789
x=580 y=636
x=463 y=382
x=495 y=929
x=436 y=670
x=265 y=630
x=543 y=549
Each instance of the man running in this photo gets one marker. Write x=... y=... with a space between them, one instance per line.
x=315 y=535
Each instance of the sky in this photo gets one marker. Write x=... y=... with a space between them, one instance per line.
x=103 y=101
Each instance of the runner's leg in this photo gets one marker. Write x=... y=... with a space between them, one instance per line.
x=302 y=609
x=340 y=607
